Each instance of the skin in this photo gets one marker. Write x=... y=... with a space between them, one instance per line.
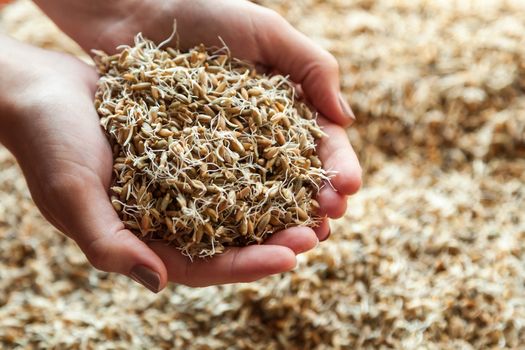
x=47 y=102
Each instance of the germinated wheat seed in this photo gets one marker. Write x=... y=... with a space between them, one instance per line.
x=207 y=152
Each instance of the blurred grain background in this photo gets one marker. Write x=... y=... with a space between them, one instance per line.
x=430 y=254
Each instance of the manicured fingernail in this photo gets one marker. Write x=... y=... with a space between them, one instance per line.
x=346 y=108
x=147 y=277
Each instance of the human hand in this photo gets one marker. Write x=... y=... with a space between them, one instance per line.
x=251 y=32
x=67 y=162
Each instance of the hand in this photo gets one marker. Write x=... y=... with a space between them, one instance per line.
x=53 y=130
x=68 y=166
x=251 y=32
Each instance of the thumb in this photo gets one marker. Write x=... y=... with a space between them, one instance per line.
x=88 y=217
x=291 y=52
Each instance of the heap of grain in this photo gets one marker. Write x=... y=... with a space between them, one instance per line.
x=208 y=153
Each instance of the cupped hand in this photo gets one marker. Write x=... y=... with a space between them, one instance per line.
x=261 y=36
x=251 y=32
x=53 y=130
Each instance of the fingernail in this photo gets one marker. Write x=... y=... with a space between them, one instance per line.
x=346 y=108
x=147 y=277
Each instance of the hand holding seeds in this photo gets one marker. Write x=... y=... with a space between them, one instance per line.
x=68 y=166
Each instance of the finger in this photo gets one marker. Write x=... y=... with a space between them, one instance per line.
x=294 y=54
x=299 y=239
x=245 y=264
x=328 y=235
x=331 y=203
x=323 y=229
x=337 y=155
x=89 y=218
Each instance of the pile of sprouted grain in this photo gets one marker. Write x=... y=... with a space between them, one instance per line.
x=208 y=153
